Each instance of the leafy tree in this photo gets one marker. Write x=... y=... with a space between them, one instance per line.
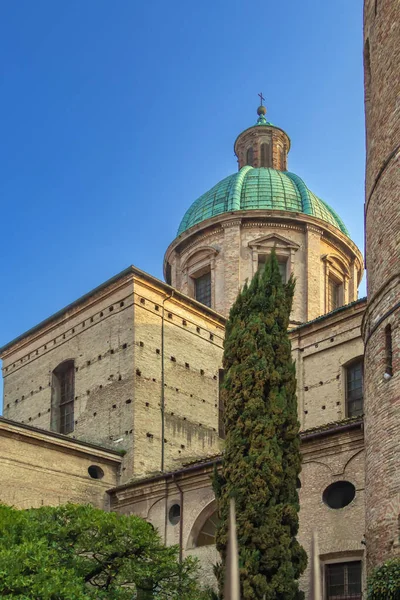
x=262 y=458
x=79 y=552
x=384 y=581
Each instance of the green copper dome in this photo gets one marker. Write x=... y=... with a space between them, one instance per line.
x=255 y=189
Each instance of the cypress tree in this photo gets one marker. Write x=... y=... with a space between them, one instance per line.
x=262 y=458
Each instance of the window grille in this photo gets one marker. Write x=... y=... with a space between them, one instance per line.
x=202 y=287
x=354 y=389
x=343 y=581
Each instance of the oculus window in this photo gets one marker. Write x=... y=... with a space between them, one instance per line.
x=339 y=494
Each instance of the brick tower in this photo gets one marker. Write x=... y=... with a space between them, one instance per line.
x=381 y=327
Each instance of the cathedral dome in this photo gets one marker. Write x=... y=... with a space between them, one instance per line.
x=260 y=189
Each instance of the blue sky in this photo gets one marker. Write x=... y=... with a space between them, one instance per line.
x=115 y=116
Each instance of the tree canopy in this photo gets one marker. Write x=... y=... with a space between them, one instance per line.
x=262 y=458
x=75 y=552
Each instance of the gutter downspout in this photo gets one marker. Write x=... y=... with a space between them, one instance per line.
x=162 y=382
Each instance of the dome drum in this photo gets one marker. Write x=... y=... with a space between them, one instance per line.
x=227 y=234
x=232 y=246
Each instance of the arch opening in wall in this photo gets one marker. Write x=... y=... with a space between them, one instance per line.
x=208 y=532
x=339 y=494
x=62 y=397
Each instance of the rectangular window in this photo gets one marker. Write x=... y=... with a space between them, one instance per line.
x=67 y=401
x=343 y=581
x=333 y=294
x=221 y=424
x=282 y=262
x=202 y=289
x=354 y=389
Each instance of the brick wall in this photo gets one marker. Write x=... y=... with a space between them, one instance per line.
x=382 y=416
x=115 y=338
x=326 y=459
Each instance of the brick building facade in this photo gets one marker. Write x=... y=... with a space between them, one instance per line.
x=124 y=382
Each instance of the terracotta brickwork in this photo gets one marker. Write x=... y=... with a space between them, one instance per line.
x=230 y=245
x=382 y=417
x=276 y=139
x=39 y=468
x=327 y=457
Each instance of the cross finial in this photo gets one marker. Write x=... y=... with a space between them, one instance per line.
x=261 y=98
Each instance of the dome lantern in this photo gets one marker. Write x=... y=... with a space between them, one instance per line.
x=263 y=144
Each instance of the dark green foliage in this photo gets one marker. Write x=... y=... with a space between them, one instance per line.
x=262 y=458
x=79 y=553
x=384 y=581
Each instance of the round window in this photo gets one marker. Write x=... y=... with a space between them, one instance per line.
x=174 y=514
x=95 y=472
x=339 y=494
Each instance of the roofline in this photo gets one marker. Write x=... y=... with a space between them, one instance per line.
x=329 y=314
x=59 y=436
x=131 y=270
x=299 y=218
x=323 y=431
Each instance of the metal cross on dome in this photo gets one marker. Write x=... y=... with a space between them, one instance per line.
x=261 y=98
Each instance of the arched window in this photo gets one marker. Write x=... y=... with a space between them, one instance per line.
x=266 y=154
x=62 y=401
x=250 y=157
x=207 y=533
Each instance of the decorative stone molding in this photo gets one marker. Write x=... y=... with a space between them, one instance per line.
x=284 y=248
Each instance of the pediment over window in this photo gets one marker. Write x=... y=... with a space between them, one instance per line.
x=336 y=264
x=200 y=255
x=273 y=240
